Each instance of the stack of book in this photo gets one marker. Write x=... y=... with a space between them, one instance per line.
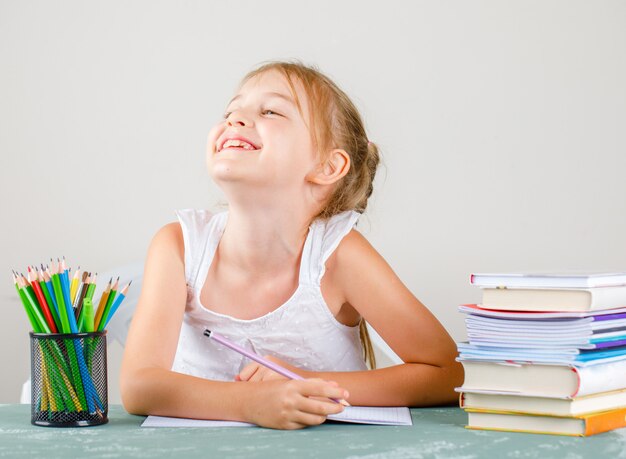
x=546 y=354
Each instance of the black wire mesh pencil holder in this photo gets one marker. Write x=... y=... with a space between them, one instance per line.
x=69 y=379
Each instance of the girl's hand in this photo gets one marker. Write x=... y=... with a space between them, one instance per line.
x=293 y=404
x=257 y=372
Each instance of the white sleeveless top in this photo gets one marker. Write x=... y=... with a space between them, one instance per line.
x=302 y=332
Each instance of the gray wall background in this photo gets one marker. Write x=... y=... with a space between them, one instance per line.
x=502 y=126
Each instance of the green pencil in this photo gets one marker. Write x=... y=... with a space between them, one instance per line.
x=31 y=318
x=27 y=290
x=92 y=287
x=107 y=307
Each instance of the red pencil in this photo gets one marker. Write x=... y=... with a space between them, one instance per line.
x=42 y=301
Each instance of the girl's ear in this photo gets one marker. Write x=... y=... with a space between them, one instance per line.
x=333 y=169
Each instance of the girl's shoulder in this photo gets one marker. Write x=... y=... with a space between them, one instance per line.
x=169 y=238
x=353 y=256
x=353 y=249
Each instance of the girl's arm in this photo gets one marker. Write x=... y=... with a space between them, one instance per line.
x=360 y=277
x=148 y=386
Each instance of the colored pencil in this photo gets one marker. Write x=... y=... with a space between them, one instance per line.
x=102 y=304
x=116 y=304
x=42 y=301
x=74 y=285
x=65 y=290
x=48 y=298
x=257 y=358
x=29 y=294
x=81 y=291
x=45 y=273
x=92 y=286
x=27 y=307
x=108 y=305
x=58 y=293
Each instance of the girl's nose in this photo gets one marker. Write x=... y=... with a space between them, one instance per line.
x=238 y=118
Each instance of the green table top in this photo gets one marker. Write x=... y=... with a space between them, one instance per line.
x=436 y=433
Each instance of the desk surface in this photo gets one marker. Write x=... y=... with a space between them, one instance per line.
x=436 y=433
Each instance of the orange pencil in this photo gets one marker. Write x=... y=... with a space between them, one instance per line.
x=102 y=304
x=103 y=317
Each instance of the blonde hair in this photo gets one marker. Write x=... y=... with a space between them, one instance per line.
x=334 y=122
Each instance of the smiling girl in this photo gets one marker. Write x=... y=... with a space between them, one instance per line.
x=282 y=273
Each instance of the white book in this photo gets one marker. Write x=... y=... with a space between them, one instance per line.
x=587 y=324
x=376 y=415
x=522 y=403
x=546 y=280
x=553 y=299
x=477 y=310
x=559 y=381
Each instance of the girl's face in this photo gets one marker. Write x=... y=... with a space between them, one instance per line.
x=263 y=140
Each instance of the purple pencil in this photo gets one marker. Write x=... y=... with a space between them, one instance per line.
x=252 y=356
x=257 y=358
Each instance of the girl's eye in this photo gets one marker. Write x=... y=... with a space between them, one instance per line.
x=226 y=115
x=270 y=112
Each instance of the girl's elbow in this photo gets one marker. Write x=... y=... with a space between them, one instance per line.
x=453 y=377
x=443 y=385
x=133 y=393
x=457 y=373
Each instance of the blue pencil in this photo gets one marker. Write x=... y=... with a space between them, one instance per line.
x=116 y=304
x=65 y=287
x=53 y=297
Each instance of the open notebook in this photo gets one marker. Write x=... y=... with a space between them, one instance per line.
x=387 y=416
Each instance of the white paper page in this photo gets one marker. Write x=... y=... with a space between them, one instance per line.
x=162 y=421
x=392 y=416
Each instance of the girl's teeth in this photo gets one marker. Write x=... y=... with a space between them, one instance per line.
x=238 y=144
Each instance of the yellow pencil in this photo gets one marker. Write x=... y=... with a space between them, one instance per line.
x=74 y=285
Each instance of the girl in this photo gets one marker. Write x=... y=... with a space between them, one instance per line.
x=282 y=273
